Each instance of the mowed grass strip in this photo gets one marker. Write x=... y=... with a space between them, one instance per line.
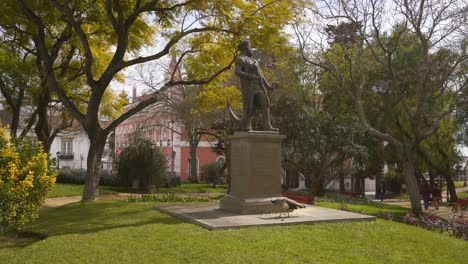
x=64 y=189
x=118 y=232
x=398 y=212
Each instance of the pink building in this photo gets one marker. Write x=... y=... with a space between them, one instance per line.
x=159 y=125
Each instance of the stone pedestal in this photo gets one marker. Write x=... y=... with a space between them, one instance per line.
x=255 y=173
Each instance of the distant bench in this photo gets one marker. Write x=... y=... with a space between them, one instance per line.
x=352 y=194
x=459 y=204
x=301 y=198
x=462 y=203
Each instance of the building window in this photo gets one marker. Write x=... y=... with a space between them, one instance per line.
x=66 y=151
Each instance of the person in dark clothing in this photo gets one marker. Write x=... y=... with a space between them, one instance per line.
x=426 y=194
x=382 y=191
x=436 y=196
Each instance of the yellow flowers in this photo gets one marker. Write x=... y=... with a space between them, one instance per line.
x=25 y=179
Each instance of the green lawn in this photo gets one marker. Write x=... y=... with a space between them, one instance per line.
x=458 y=184
x=118 y=232
x=397 y=211
x=462 y=195
x=62 y=189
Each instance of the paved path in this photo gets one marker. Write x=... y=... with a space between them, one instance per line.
x=443 y=212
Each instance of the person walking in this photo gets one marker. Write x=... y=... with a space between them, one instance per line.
x=426 y=194
x=381 y=191
x=436 y=196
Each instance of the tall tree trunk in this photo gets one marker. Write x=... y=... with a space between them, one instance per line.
x=379 y=174
x=318 y=185
x=15 y=119
x=308 y=180
x=379 y=178
x=93 y=168
x=193 y=162
x=42 y=128
x=431 y=177
x=450 y=186
x=342 y=183
x=357 y=183
x=323 y=175
x=411 y=181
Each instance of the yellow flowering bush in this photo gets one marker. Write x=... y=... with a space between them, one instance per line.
x=25 y=179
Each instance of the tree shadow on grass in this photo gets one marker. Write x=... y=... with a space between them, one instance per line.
x=19 y=240
x=83 y=218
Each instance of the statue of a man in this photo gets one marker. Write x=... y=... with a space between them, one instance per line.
x=254 y=88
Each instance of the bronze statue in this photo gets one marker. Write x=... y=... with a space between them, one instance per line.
x=254 y=89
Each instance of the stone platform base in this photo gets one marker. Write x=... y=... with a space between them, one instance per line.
x=211 y=217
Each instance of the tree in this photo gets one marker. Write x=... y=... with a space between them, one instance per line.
x=87 y=27
x=17 y=83
x=25 y=90
x=320 y=138
x=196 y=108
x=141 y=162
x=318 y=143
x=439 y=153
x=410 y=62
x=123 y=98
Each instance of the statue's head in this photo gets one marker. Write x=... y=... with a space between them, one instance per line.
x=244 y=46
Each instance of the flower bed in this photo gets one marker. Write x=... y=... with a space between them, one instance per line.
x=457 y=226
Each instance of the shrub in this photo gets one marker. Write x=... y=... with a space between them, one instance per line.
x=385 y=215
x=73 y=176
x=142 y=162
x=77 y=176
x=212 y=173
x=343 y=198
x=108 y=179
x=25 y=179
x=171 y=181
x=393 y=180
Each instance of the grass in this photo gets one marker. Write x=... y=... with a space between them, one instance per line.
x=463 y=195
x=62 y=189
x=398 y=211
x=458 y=184
x=118 y=232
